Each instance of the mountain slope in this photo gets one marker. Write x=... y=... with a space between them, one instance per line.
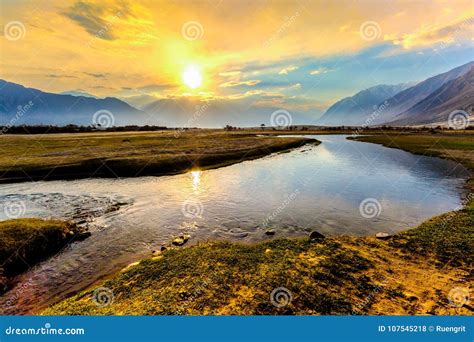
x=355 y=110
x=33 y=106
x=78 y=93
x=408 y=98
x=457 y=94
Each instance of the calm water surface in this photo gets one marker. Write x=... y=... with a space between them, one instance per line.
x=311 y=188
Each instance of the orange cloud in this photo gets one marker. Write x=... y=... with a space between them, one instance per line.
x=239 y=83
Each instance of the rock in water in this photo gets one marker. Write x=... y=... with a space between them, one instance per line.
x=382 y=236
x=316 y=236
x=181 y=240
x=270 y=232
x=178 y=241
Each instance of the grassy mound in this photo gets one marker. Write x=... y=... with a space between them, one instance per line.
x=449 y=237
x=130 y=154
x=225 y=278
x=25 y=242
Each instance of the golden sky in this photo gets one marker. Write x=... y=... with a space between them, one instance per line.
x=273 y=50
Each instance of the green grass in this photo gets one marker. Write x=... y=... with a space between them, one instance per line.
x=25 y=242
x=450 y=145
x=129 y=154
x=449 y=237
x=225 y=278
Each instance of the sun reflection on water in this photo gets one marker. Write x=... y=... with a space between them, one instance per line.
x=196 y=175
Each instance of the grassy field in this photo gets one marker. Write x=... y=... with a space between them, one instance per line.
x=129 y=154
x=25 y=242
x=455 y=145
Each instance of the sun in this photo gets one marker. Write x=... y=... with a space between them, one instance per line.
x=192 y=77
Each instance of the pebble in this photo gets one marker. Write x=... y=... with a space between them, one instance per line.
x=316 y=236
x=383 y=236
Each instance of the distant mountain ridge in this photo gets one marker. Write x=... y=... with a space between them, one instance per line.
x=78 y=93
x=38 y=107
x=405 y=100
x=354 y=110
x=426 y=102
x=456 y=94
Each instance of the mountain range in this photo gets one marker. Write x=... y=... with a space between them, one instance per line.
x=353 y=110
x=427 y=102
x=456 y=94
x=33 y=107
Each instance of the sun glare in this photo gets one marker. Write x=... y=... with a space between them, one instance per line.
x=192 y=77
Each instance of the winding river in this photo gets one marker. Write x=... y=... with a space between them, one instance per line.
x=338 y=187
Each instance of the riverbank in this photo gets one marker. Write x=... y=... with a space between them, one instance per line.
x=26 y=242
x=332 y=276
x=130 y=154
x=457 y=146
